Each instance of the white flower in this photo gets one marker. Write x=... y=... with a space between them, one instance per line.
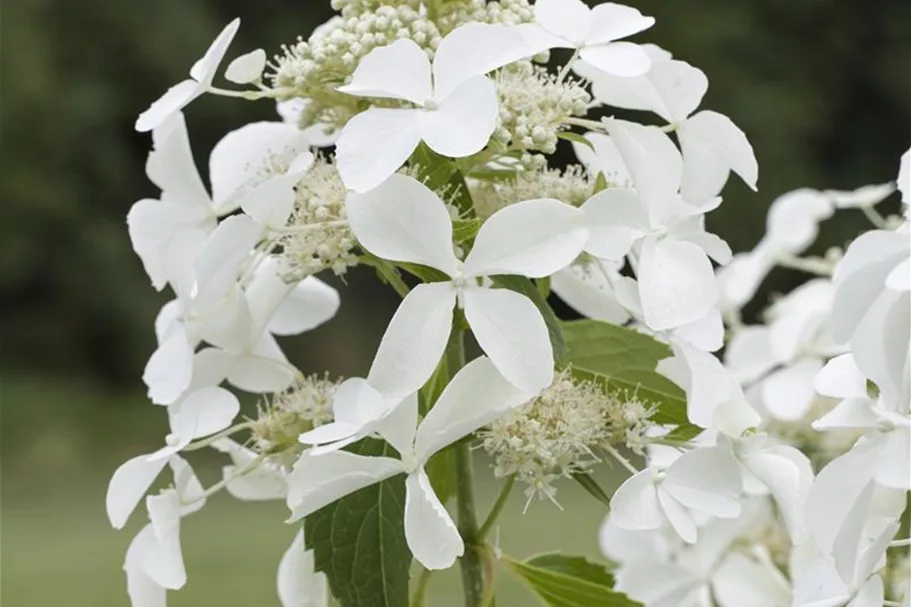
x=358 y=410
x=593 y=32
x=843 y=574
x=792 y=225
x=475 y=396
x=676 y=282
x=242 y=159
x=713 y=396
x=705 y=480
x=660 y=572
x=404 y=221
x=888 y=429
x=154 y=561
x=871 y=310
x=299 y=585
x=456 y=103
x=201 y=75
x=712 y=144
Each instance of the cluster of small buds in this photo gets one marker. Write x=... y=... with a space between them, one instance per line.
x=500 y=12
x=312 y=68
x=534 y=106
x=318 y=237
x=354 y=8
x=573 y=185
x=286 y=415
x=556 y=434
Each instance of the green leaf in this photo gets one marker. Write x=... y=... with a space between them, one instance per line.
x=592 y=487
x=465 y=229
x=425 y=273
x=570 y=581
x=440 y=173
x=576 y=138
x=441 y=472
x=359 y=541
x=526 y=287
x=622 y=359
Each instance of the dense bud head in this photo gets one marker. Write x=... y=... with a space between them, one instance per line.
x=287 y=415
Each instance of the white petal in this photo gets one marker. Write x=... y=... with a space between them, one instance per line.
x=819 y=585
x=262 y=484
x=749 y=355
x=398 y=425
x=189 y=490
x=617 y=58
x=534 y=238
x=893 y=466
x=671 y=89
x=218 y=265
x=870 y=595
x=143 y=591
x=841 y=378
x=299 y=585
x=474 y=49
x=740 y=279
x=659 y=584
x=475 y=396
x=615 y=219
x=854 y=413
x=128 y=486
x=707 y=333
x=272 y=201
x=374 y=144
x=634 y=504
x=228 y=324
x=403 y=220
x=432 y=537
x=680 y=519
x=207 y=411
x=173 y=100
x=241 y=158
x=793 y=219
x=676 y=283
x=788 y=393
x=414 y=340
x=247 y=68
x=903 y=181
x=400 y=70
x=588 y=291
x=740 y=581
x=152 y=224
x=788 y=475
x=204 y=70
x=706 y=479
x=310 y=304
x=264 y=369
x=880 y=345
x=604 y=158
x=319 y=480
x=713 y=245
x=612 y=21
x=463 y=122
x=171 y=167
x=569 y=19
x=899 y=279
x=170 y=369
x=712 y=147
x=707 y=383
x=510 y=330
x=165 y=565
x=653 y=161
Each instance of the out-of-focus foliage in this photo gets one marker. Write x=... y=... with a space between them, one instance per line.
x=819 y=86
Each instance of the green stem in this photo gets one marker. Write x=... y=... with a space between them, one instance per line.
x=420 y=591
x=387 y=273
x=497 y=507
x=471 y=562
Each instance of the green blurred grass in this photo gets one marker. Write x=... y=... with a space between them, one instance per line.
x=58 y=549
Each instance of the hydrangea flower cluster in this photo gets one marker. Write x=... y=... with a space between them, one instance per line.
x=414 y=141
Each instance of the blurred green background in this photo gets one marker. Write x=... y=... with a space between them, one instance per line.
x=821 y=87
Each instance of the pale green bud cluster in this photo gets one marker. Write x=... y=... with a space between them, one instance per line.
x=312 y=68
x=286 y=415
x=556 y=434
x=502 y=12
x=318 y=237
x=534 y=106
x=572 y=186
